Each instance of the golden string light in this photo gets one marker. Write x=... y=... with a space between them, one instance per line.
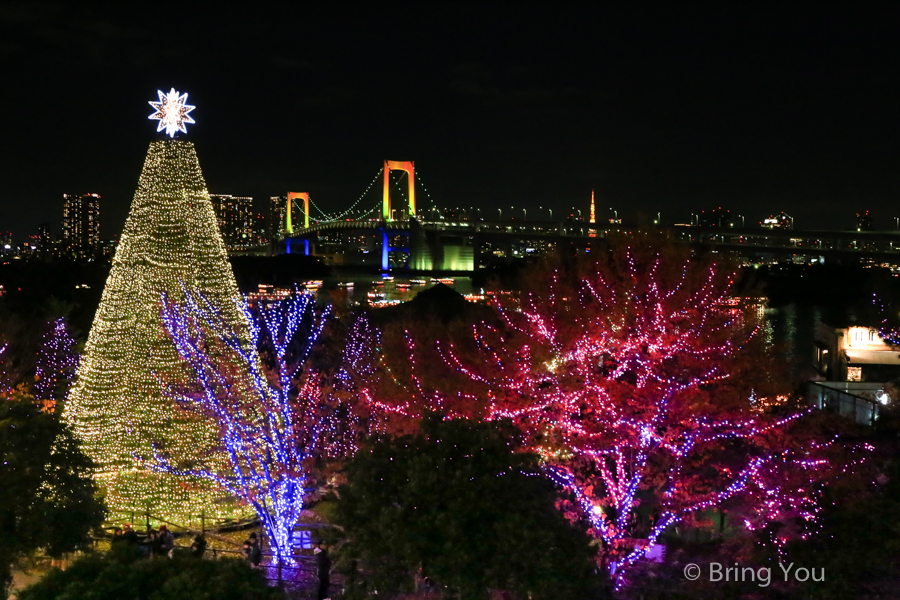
x=170 y=245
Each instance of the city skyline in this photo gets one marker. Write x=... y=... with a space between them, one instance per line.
x=666 y=110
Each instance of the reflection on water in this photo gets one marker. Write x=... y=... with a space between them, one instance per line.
x=788 y=329
x=791 y=330
x=364 y=288
x=782 y=331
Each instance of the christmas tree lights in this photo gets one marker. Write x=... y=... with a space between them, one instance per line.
x=271 y=420
x=170 y=245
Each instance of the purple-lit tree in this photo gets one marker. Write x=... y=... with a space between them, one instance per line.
x=642 y=383
x=57 y=360
x=257 y=385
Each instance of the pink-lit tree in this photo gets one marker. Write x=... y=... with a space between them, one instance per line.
x=642 y=382
x=257 y=385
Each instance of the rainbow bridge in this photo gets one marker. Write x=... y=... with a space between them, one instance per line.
x=381 y=236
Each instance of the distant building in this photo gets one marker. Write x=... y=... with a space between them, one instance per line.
x=278 y=214
x=45 y=242
x=277 y=207
x=30 y=247
x=260 y=235
x=854 y=353
x=108 y=247
x=7 y=248
x=863 y=221
x=235 y=217
x=81 y=225
x=614 y=217
x=717 y=217
x=782 y=221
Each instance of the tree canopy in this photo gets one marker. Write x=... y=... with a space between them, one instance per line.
x=108 y=577
x=457 y=502
x=646 y=386
x=47 y=498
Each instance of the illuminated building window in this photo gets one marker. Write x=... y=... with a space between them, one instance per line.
x=854 y=373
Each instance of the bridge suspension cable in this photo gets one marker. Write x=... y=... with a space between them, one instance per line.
x=329 y=218
x=403 y=194
x=434 y=206
x=324 y=217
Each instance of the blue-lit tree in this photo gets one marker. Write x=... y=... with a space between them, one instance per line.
x=258 y=386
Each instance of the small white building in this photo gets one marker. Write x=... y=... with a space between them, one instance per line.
x=855 y=353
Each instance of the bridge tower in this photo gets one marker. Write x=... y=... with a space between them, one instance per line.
x=398 y=165
x=288 y=225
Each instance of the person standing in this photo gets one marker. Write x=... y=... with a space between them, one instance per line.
x=130 y=536
x=166 y=541
x=198 y=548
x=323 y=569
x=117 y=537
x=153 y=541
x=255 y=551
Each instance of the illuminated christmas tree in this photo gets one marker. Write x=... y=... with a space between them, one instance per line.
x=171 y=246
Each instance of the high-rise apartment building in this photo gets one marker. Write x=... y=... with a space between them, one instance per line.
x=277 y=214
x=277 y=206
x=44 y=240
x=81 y=225
x=235 y=217
x=260 y=236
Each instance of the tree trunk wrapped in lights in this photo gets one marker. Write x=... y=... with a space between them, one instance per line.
x=637 y=377
x=266 y=401
x=170 y=245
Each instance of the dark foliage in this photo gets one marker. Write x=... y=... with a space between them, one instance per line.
x=283 y=270
x=47 y=499
x=457 y=502
x=37 y=290
x=439 y=303
x=110 y=577
x=859 y=545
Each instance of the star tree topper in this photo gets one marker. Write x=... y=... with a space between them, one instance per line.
x=172 y=112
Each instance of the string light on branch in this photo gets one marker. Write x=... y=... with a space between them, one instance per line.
x=272 y=420
x=117 y=406
x=633 y=370
x=56 y=364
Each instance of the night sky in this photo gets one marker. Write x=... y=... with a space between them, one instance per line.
x=657 y=109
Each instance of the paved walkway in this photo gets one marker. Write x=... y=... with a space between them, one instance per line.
x=22 y=579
